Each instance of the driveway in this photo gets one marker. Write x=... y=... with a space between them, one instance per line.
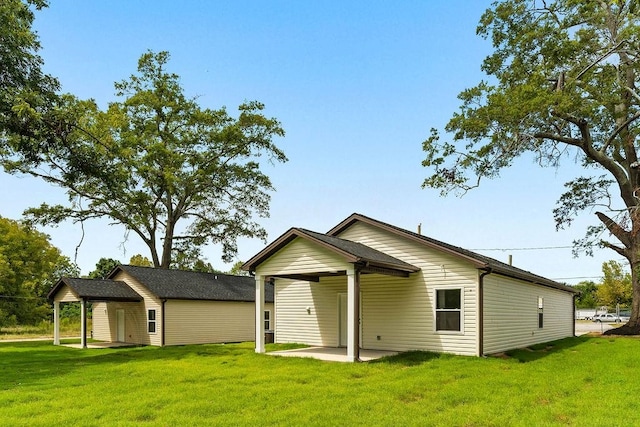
x=586 y=326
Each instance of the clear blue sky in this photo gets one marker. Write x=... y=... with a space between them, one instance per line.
x=356 y=85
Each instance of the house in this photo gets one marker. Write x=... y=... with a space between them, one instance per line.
x=368 y=284
x=143 y=305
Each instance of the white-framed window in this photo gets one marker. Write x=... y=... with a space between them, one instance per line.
x=449 y=310
x=151 y=321
x=267 y=320
x=540 y=312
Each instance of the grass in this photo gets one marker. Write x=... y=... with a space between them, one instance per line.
x=44 y=329
x=576 y=381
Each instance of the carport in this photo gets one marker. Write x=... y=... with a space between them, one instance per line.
x=84 y=291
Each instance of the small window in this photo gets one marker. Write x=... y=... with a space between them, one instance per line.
x=448 y=309
x=267 y=320
x=540 y=312
x=151 y=322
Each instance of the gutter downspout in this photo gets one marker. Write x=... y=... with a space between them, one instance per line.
x=163 y=323
x=574 y=314
x=481 y=311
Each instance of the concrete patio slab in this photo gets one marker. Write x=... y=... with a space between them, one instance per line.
x=332 y=354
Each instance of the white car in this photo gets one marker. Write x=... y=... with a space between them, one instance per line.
x=609 y=318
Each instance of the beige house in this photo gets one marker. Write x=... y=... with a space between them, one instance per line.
x=142 y=305
x=371 y=285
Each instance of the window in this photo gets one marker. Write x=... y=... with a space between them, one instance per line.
x=267 y=320
x=540 y=312
x=448 y=309
x=151 y=322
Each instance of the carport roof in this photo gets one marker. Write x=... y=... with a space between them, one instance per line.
x=96 y=289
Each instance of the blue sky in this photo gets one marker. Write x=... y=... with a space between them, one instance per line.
x=356 y=85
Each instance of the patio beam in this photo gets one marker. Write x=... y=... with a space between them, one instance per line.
x=385 y=271
x=83 y=323
x=260 y=290
x=56 y=323
x=353 y=314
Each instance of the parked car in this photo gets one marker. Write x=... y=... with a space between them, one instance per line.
x=609 y=318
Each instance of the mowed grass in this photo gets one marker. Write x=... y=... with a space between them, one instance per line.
x=581 y=381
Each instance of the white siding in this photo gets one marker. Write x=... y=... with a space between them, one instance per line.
x=135 y=322
x=138 y=320
x=65 y=294
x=511 y=314
x=200 y=322
x=301 y=256
x=399 y=310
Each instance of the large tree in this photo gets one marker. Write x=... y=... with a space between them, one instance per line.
x=562 y=86
x=29 y=266
x=30 y=117
x=175 y=174
x=615 y=288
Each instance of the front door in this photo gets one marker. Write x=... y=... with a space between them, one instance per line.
x=120 y=325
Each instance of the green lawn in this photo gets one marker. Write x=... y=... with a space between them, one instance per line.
x=585 y=381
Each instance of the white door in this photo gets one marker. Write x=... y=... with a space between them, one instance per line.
x=120 y=325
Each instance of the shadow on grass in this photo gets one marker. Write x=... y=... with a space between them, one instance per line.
x=409 y=358
x=539 y=351
x=32 y=363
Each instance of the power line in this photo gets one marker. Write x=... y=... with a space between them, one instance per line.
x=523 y=249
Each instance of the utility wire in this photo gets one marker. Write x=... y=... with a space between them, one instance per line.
x=523 y=249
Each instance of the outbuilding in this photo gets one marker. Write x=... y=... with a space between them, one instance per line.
x=151 y=306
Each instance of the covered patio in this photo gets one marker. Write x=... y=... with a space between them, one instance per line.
x=85 y=291
x=332 y=354
x=310 y=256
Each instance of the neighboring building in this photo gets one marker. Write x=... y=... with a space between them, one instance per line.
x=411 y=292
x=143 y=305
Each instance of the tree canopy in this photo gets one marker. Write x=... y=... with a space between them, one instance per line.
x=29 y=267
x=561 y=86
x=175 y=174
x=104 y=266
x=616 y=285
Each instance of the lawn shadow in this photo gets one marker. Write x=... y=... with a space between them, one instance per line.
x=539 y=351
x=408 y=358
x=33 y=363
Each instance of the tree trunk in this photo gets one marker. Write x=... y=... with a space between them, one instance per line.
x=633 y=325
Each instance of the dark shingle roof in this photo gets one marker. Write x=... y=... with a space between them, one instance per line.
x=362 y=252
x=480 y=261
x=193 y=285
x=97 y=290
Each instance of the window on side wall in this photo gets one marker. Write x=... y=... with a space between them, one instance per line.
x=449 y=310
x=267 y=320
x=151 y=321
x=540 y=312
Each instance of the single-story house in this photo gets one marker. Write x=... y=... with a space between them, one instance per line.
x=368 y=284
x=152 y=306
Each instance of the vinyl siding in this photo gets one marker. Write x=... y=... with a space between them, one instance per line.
x=199 y=322
x=301 y=256
x=511 y=314
x=135 y=322
x=65 y=294
x=138 y=320
x=399 y=310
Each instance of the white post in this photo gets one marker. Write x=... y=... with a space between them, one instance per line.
x=56 y=323
x=83 y=323
x=353 y=317
x=259 y=314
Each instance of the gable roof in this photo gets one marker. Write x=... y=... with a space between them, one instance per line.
x=352 y=252
x=96 y=290
x=479 y=261
x=194 y=285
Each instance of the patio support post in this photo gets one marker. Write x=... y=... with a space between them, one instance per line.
x=83 y=323
x=56 y=323
x=353 y=314
x=260 y=314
